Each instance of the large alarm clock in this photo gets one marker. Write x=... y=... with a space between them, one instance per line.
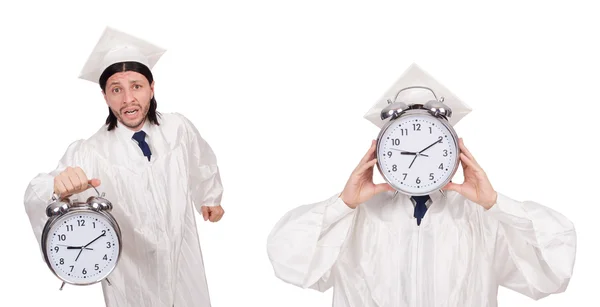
x=417 y=149
x=81 y=241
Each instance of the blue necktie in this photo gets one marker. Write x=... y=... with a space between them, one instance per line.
x=420 y=207
x=140 y=137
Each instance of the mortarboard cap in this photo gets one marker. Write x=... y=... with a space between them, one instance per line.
x=115 y=46
x=414 y=76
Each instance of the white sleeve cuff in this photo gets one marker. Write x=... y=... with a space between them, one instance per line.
x=336 y=211
x=510 y=211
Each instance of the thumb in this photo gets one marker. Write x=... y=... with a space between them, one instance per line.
x=205 y=212
x=94 y=182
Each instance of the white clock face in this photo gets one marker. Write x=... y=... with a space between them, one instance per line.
x=417 y=154
x=82 y=247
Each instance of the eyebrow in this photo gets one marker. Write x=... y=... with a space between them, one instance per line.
x=117 y=82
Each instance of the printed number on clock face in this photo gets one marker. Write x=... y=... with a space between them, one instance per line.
x=417 y=153
x=82 y=247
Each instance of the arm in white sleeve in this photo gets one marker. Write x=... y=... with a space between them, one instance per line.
x=535 y=247
x=40 y=189
x=205 y=179
x=306 y=242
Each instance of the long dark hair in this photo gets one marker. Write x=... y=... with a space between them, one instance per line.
x=111 y=120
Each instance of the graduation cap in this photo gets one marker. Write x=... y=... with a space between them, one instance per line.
x=415 y=86
x=116 y=46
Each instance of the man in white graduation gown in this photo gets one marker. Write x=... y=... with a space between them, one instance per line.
x=454 y=247
x=156 y=169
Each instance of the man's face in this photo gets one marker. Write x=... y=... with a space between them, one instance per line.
x=128 y=95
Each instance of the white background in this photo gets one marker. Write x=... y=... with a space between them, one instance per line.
x=279 y=88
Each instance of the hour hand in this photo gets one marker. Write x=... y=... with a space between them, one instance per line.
x=409 y=153
x=79 y=247
x=413 y=153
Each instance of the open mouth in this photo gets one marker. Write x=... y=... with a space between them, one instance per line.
x=131 y=113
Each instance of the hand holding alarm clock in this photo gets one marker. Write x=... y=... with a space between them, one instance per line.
x=416 y=151
x=81 y=241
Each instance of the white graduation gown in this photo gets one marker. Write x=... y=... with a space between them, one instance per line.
x=376 y=255
x=161 y=263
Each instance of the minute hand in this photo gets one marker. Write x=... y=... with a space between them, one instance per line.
x=438 y=141
x=102 y=235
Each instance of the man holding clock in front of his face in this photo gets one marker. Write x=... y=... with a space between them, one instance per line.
x=453 y=247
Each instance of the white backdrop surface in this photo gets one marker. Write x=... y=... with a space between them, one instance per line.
x=279 y=88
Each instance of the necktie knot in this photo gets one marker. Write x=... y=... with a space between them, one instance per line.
x=140 y=137
x=420 y=207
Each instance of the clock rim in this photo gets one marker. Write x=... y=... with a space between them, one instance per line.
x=75 y=211
x=415 y=113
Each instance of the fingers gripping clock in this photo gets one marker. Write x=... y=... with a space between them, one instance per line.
x=81 y=241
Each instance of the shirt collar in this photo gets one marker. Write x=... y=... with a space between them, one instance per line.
x=126 y=133
x=434 y=197
x=427 y=203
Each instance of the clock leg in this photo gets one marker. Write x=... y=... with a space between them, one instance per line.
x=108 y=281
x=61 y=287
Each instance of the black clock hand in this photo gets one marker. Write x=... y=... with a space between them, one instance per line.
x=69 y=247
x=413 y=154
x=410 y=153
x=79 y=254
x=100 y=236
x=79 y=247
x=85 y=246
x=438 y=141
x=81 y=250
x=413 y=161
